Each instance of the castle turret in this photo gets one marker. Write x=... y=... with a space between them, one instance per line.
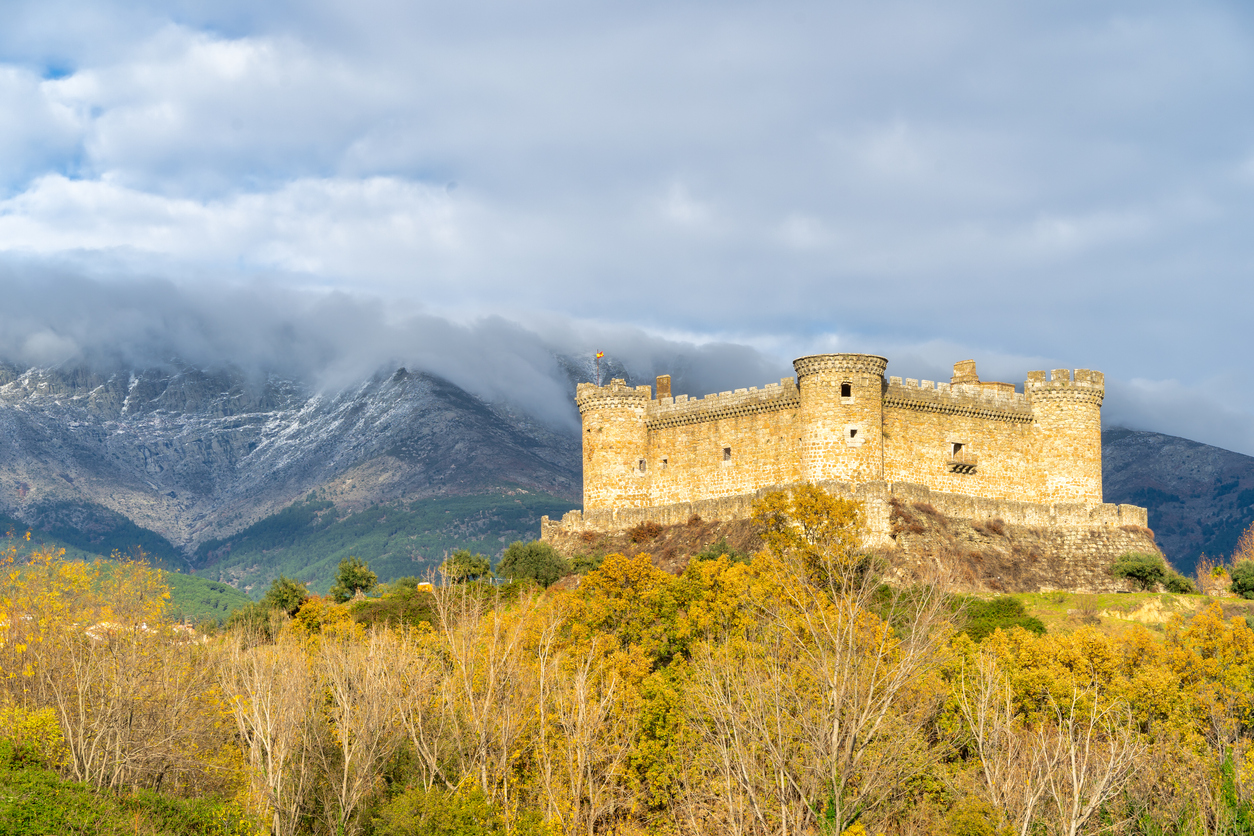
x=1068 y=417
x=615 y=443
x=842 y=416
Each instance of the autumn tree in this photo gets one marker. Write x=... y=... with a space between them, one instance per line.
x=485 y=689
x=818 y=711
x=1014 y=761
x=273 y=695
x=358 y=676
x=134 y=696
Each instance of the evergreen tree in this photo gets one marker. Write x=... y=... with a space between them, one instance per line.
x=533 y=561
x=353 y=574
x=285 y=594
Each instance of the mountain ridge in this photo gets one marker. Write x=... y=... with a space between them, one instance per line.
x=193 y=455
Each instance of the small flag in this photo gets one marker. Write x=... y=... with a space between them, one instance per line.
x=600 y=354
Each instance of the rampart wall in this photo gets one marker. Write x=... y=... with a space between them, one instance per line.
x=995 y=427
x=722 y=445
x=876 y=499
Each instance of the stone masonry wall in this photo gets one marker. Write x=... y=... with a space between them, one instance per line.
x=988 y=545
x=994 y=428
x=722 y=445
x=876 y=499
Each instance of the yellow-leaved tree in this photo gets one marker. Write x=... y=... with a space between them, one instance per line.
x=135 y=698
x=817 y=710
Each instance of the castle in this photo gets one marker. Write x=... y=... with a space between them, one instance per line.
x=974 y=449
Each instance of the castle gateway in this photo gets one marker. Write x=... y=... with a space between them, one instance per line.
x=973 y=449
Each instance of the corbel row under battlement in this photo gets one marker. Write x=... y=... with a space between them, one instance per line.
x=676 y=411
x=992 y=401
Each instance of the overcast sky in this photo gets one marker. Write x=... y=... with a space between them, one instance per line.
x=1032 y=185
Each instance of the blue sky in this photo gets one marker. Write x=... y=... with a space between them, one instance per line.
x=1031 y=185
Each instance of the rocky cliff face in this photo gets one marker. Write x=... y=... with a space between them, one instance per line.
x=194 y=454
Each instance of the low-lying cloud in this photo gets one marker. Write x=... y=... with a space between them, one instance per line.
x=333 y=340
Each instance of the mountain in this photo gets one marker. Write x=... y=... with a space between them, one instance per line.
x=194 y=455
x=1200 y=498
x=209 y=468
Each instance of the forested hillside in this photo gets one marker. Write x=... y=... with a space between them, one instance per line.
x=789 y=691
x=308 y=539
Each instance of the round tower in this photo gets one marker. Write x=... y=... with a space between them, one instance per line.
x=615 y=443
x=1068 y=419
x=842 y=417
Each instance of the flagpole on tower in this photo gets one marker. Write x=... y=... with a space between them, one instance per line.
x=600 y=354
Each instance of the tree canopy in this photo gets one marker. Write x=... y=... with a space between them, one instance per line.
x=285 y=594
x=462 y=566
x=535 y=561
x=354 y=574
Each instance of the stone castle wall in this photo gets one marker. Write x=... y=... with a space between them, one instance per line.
x=840 y=420
x=876 y=499
x=966 y=450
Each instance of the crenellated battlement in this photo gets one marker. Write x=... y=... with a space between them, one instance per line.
x=990 y=401
x=1082 y=386
x=615 y=395
x=679 y=410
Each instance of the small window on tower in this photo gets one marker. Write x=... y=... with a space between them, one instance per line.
x=726 y=454
x=663 y=464
x=957 y=451
x=643 y=466
x=853 y=432
x=846 y=390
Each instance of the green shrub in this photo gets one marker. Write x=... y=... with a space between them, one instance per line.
x=403 y=601
x=1243 y=578
x=1146 y=570
x=714 y=551
x=582 y=564
x=36 y=802
x=1179 y=584
x=1005 y=612
x=437 y=812
x=533 y=561
x=462 y=566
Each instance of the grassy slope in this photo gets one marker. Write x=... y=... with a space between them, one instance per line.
x=308 y=539
x=1117 y=612
x=36 y=802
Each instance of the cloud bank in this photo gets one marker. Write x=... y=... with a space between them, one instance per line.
x=325 y=184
